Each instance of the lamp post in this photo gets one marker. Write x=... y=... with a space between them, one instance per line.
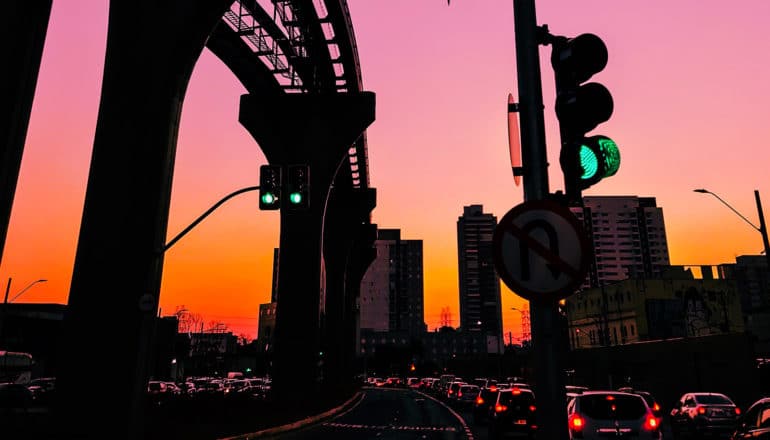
x=762 y=228
x=8 y=289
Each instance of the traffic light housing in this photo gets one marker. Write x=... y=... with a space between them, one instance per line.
x=270 y=187
x=580 y=107
x=298 y=187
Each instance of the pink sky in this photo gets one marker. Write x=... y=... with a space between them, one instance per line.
x=689 y=80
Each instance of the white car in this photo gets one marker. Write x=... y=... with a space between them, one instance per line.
x=605 y=414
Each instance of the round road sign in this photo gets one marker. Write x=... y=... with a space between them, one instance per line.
x=541 y=251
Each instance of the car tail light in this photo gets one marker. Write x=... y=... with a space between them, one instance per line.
x=500 y=408
x=737 y=411
x=651 y=423
x=701 y=410
x=451 y=392
x=516 y=391
x=576 y=423
x=656 y=407
x=532 y=408
x=459 y=394
x=493 y=388
x=479 y=401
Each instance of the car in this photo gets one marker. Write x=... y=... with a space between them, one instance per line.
x=486 y=399
x=648 y=397
x=452 y=389
x=513 y=412
x=603 y=414
x=755 y=423
x=466 y=395
x=42 y=388
x=700 y=414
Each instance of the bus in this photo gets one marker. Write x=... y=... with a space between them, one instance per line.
x=15 y=367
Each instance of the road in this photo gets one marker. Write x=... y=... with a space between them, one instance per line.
x=386 y=414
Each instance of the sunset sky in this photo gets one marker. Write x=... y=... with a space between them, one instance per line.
x=689 y=79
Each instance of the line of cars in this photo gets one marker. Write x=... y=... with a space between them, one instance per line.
x=160 y=392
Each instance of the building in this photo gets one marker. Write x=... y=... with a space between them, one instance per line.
x=628 y=235
x=266 y=330
x=750 y=273
x=392 y=288
x=674 y=305
x=480 y=306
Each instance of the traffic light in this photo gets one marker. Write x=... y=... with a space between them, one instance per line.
x=580 y=107
x=270 y=187
x=298 y=187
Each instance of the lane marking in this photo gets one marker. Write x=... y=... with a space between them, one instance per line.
x=467 y=430
x=389 y=427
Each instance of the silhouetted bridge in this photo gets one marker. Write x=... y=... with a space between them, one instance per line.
x=305 y=105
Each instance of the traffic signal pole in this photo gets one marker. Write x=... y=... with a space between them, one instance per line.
x=551 y=408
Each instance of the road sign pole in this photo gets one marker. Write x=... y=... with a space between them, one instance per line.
x=551 y=414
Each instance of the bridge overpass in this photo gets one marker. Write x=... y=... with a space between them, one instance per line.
x=305 y=105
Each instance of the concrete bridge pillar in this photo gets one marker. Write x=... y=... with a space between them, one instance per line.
x=361 y=257
x=317 y=130
x=152 y=47
x=347 y=209
x=25 y=24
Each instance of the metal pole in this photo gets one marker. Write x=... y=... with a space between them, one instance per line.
x=7 y=289
x=4 y=314
x=551 y=414
x=763 y=228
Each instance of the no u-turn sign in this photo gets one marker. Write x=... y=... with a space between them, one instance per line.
x=541 y=251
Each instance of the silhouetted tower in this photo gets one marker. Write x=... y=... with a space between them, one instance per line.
x=480 y=307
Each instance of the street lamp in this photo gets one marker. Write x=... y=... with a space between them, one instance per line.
x=8 y=289
x=762 y=228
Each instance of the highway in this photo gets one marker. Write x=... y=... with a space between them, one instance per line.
x=390 y=414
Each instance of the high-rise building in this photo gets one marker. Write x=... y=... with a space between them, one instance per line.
x=480 y=307
x=392 y=288
x=628 y=235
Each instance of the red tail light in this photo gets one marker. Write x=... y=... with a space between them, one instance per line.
x=516 y=391
x=493 y=388
x=479 y=401
x=500 y=408
x=651 y=423
x=532 y=407
x=656 y=407
x=701 y=410
x=459 y=394
x=737 y=411
x=451 y=392
x=576 y=422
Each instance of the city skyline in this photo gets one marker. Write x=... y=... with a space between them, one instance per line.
x=439 y=138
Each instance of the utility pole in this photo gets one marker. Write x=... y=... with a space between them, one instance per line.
x=551 y=418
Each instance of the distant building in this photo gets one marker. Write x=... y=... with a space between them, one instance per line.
x=266 y=331
x=673 y=305
x=392 y=288
x=750 y=272
x=628 y=235
x=480 y=305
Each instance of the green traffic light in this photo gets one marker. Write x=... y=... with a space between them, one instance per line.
x=295 y=198
x=610 y=154
x=599 y=158
x=268 y=198
x=589 y=163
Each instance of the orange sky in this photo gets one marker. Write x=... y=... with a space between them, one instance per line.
x=690 y=89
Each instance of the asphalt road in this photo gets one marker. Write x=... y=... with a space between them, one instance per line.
x=390 y=414
x=401 y=414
